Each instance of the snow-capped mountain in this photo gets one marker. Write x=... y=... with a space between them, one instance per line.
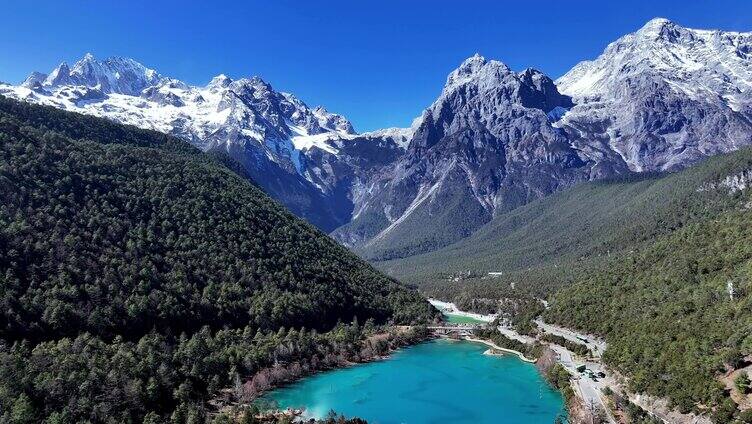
x=113 y=75
x=702 y=64
x=663 y=97
x=275 y=135
x=658 y=99
x=486 y=144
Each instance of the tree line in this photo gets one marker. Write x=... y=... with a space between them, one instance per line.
x=139 y=276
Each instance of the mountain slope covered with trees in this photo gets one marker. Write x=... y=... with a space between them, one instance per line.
x=547 y=243
x=139 y=275
x=677 y=313
x=659 y=265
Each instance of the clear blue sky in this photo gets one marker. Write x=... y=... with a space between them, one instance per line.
x=379 y=62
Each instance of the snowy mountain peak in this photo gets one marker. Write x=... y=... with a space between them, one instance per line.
x=220 y=81
x=276 y=136
x=478 y=70
x=399 y=136
x=478 y=78
x=35 y=79
x=472 y=64
x=665 y=30
x=112 y=75
x=664 y=96
x=702 y=64
x=59 y=76
x=659 y=98
x=332 y=121
x=655 y=26
x=85 y=61
x=257 y=83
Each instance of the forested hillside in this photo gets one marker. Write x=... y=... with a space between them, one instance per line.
x=676 y=313
x=661 y=266
x=548 y=243
x=139 y=275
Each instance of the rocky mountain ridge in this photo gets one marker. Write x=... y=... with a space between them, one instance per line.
x=659 y=99
x=663 y=97
x=485 y=144
x=290 y=149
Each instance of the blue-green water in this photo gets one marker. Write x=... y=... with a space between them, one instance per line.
x=437 y=382
x=461 y=319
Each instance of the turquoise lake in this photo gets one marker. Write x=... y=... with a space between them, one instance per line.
x=461 y=319
x=436 y=382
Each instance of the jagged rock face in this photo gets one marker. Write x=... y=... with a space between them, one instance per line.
x=659 y=99
x=307 y=158
x=656 y=100
x=662 y=98
x=35 y=79
x=113 y=75
x=484 y=146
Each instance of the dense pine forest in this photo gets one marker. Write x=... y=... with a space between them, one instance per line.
x=545 y=243
x=677 y=313
x=139 y=276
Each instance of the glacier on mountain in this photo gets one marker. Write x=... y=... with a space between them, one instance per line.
x=274 y=135
x=658 y=99
x=663 y=97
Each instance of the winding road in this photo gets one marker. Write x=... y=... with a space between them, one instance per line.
x=589 y=390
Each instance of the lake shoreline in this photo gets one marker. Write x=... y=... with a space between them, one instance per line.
x=493 y=346
x=396 y=338
x=451 y=308
x=366 y=391
x=656 y=407
x=444 y=307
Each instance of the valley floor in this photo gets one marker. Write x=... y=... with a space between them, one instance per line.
x=590 y=391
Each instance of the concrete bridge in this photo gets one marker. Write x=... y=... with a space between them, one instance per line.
x=459 y=329
x=466 y=327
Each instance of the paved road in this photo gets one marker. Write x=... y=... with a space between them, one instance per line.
x=515 y=335
x=590 y=390
x=595 y=344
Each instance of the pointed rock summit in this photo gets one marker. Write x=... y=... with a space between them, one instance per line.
x=113 y=75
x=34 y=80
x=220 y=81
x=299 y=155
x=663 y=97
x=485 y=145
x=477 y=70
x=59 y=76
x=665 y=30
x=660 y=98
